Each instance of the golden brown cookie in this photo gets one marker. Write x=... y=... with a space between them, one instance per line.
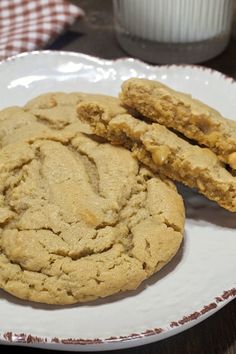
x=80 y=220
x=163 y=151
x=181 y=112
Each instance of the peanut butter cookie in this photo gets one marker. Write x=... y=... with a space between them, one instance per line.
x=80 y=219
x=163 y=151
x=181 y=112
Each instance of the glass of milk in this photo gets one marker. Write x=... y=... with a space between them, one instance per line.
x=173 y=31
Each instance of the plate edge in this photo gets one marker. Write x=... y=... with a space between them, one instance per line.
x=186 y=322
x=111 y=61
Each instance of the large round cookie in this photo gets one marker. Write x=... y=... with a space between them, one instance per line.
x=81 y=220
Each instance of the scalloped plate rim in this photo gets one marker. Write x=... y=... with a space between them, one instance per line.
x=130 y=340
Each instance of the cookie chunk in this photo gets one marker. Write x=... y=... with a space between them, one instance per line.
x=81 y=220
x=164 y=152
x=181 y=112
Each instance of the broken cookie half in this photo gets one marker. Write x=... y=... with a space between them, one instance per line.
x=163 y=151
x=180 y=111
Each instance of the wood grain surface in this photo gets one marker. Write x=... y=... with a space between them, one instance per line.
x=95 y=35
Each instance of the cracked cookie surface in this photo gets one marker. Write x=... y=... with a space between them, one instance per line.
x=52 y=114
x=181 y=112
x=163 y=151
x=80 y=220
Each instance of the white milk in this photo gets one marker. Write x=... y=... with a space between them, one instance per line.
x=175 y=21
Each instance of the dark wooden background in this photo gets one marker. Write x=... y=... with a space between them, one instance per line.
x=94 y=35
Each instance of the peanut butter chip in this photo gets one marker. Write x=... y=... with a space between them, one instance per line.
x=200 y=185
x=160 y=154
x=232 y=160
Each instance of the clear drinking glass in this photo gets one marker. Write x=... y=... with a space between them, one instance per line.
x=173 y=31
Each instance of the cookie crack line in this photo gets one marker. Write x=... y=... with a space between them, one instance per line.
x=45 y=121
x=93 y=162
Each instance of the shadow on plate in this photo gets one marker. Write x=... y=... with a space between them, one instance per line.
x=199 y=208
x=169 y=268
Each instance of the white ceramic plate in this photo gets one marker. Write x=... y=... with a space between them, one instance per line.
x=201 y=278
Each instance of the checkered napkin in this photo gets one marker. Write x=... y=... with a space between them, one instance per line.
x=26 y=25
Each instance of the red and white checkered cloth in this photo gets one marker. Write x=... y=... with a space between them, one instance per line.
x=26 y=25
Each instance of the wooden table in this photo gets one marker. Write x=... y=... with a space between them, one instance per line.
x=95 y=35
